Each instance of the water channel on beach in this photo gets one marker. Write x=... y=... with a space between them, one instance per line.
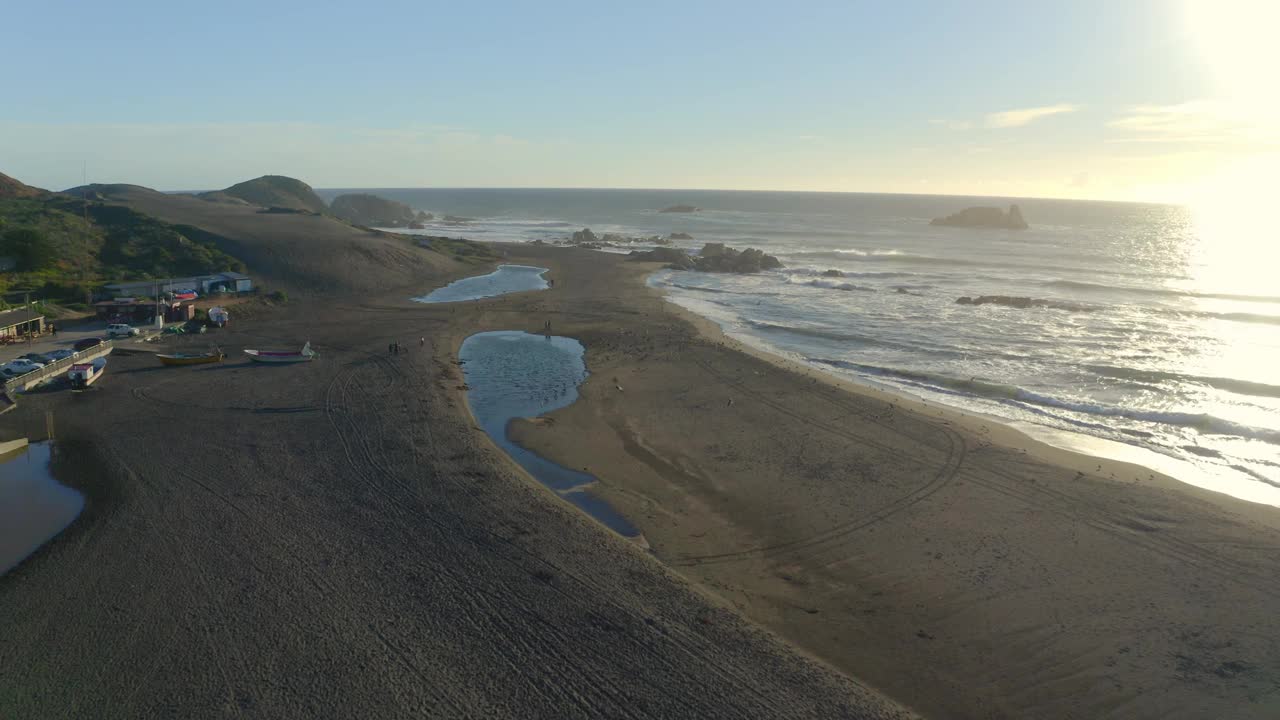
x=513 y=374
x=506 y=279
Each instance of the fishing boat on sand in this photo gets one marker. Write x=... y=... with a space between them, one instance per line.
x=213 y=356
x=283 y=356
x=82 y=375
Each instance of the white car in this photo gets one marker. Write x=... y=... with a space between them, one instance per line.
x=21 y=366
x=122 y=330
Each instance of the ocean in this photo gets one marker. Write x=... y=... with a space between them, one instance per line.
x=1150 y=332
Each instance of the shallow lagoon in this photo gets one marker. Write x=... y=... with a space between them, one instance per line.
x=513 y=374
x=34 y=507
x=506 y=279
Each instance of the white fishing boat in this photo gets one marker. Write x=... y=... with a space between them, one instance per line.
x=82 y=375
x=283 y=356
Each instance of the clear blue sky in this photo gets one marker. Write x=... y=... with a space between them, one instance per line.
x=1120 y=99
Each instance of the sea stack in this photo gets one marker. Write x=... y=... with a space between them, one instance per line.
x=984 y=217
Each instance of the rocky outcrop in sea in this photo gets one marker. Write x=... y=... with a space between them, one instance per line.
x=984 y=217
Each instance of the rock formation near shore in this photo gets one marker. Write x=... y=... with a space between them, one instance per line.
x=714 y=257
x=984 y=217
x=832 y=273
x=373 y=211
x=679 y=236
x=588 y=239
x=681 y=209
x=1022 y=303
x=278 y=191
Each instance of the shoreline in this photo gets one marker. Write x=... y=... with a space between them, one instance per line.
x=948 y=560
x=1078 y=456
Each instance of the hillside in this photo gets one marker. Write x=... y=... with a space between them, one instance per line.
x=275 y=191
x=62 y=245
x=10 y=188
x=305 y=252
x=372 y=211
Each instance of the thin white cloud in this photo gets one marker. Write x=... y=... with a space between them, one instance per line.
x=1026 y=116
x=1204 y=122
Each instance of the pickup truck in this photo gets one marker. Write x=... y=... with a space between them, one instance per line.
x=122 y=330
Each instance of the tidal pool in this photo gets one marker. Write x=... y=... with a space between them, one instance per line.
x=34 y=507
x=513 y=374
x=506 y=279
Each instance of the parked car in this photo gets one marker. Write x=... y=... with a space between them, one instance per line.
x=37 y=358
x=122 y=330
x=21 y=366
x=86 y=344
x=61 y=354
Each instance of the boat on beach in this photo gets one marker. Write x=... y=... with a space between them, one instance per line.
x=283 y=356
x=82 y=375
x=213 y=356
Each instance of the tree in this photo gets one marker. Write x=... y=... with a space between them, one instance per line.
x=29 y=247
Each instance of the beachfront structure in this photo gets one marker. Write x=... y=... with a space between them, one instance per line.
x=232 y=282
x=143 y=311
x=20 y=322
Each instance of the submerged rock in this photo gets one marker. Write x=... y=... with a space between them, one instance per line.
x=681 y=209
x=1022 y=303
x=679 y=236
x=715 y=257
x=832 y=273
x=984 y=217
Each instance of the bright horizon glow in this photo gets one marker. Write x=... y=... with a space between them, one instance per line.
x=1142 y=101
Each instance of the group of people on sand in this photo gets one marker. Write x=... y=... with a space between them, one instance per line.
x=393 y=348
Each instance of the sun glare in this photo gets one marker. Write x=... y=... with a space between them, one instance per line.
x=1234 y=212
x=1238 y=41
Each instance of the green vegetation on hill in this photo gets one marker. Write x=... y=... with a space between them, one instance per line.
x=275 y=191
x=62 y=246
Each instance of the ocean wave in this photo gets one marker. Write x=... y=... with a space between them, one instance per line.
x=1240 y=387
x=1202 y=422
x=1163 y=292
x=850 y=273
x=720 y=291
x=846 y=337
x=830 y=284
x=1026 y=302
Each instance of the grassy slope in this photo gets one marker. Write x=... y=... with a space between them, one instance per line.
x=96 y=242
x=277 y=191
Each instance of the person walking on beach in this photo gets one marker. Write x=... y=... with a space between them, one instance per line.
x=422 y=342
x=391 y=348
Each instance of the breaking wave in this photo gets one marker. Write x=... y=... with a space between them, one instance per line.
x=1160 y=292
x=1201 y=422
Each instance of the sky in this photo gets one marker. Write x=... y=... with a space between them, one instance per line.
x=1134 y=100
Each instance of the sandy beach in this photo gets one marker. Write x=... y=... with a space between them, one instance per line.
x=339 y=540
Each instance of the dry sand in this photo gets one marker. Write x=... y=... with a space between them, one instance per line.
x=338 y=540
